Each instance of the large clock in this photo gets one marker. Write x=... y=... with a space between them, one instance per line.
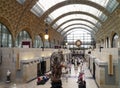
x=78 y=43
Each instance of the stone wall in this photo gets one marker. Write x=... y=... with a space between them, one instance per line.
x=29 y=71
x=17 y=17
x=103 y=79
x=101 y=59
x=109 y=28
x=7 y=63
x=22 y=62
x=103 y=55
x=47 y=64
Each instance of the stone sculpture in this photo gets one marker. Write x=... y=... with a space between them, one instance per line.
x=56 y=66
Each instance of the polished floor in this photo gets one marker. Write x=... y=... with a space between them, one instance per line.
x=70 y=83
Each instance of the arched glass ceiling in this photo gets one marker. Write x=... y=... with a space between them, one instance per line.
x=78 y=30
x=75 y=26
x=79 y=25
x=44 y=5
x=76 y=16
x=75 y=22
x=82 y=30
x=98 y=25
x=78 y=7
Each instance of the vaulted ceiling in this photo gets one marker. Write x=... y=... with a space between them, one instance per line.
x=74 y=19
x=78 y=16
x=64 y=15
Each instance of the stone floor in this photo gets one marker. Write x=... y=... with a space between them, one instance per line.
x=71 y=83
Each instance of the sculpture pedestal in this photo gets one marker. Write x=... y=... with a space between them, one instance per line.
x=8 y=79
x=56 y=84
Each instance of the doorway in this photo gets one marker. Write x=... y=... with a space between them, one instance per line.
x=43 y=67
x=38 y=69
x=94 y=70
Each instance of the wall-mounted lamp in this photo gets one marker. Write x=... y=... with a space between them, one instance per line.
x=46 y=36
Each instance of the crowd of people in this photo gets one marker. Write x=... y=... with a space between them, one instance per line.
x=76 y=62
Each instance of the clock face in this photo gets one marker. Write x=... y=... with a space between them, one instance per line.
x=78 y=43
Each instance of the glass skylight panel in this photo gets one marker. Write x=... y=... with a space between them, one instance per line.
x=77 y=32
x=76 y=22
x=54 y=26
x=48 y=20
x=72 y=27
x=98 y=24
x=82 y=26
x=46 y=4
x=94 y=20
x=78 y=36
x=76 y=7
x=103 y=17
x=76 y=16
x=112 y=4
x=21 y=1
x=37 y=10
x=101 y=2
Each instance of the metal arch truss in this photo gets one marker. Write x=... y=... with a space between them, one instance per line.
x=68 y=2
x=78 y=24
x=92 y=32
x=79 y=19
x=76 y=12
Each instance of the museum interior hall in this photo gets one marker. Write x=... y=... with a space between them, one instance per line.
x=59 y=43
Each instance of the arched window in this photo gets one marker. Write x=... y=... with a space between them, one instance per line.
x=23 y=35
x=5 y=36
x=58 y=42
x=52 y=43
x=79 y=34
x=47 y=44
x=38 y=43
x=107 y=42
x=102 y=43
x=115 y=41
